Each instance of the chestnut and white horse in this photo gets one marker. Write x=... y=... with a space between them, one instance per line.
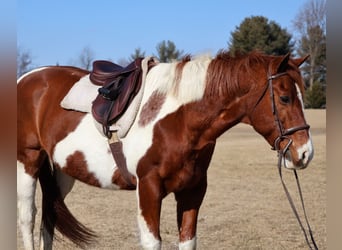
x=185 y=107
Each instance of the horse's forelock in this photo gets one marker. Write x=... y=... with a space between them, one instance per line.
x=295 y=74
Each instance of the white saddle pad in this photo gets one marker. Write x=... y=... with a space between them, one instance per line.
x=81 y=96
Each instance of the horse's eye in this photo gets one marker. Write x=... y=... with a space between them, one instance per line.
x=285 y=99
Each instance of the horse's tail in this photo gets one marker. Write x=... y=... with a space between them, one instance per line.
x=56 y=214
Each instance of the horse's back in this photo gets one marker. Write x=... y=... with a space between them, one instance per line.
x=47 y=79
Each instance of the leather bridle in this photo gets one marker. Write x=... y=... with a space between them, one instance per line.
x=284 y=135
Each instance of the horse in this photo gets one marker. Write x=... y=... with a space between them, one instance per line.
x=186 y=106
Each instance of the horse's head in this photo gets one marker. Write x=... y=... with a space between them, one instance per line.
x=278 y=112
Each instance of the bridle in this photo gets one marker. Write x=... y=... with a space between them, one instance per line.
x=284 y=135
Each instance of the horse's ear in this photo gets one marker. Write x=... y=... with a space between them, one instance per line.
x=281 y=63
x=300 y=61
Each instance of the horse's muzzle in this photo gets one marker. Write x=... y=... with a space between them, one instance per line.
x=293 y=158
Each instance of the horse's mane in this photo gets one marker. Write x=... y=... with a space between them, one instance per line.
x=224 y=75
x=225 y=71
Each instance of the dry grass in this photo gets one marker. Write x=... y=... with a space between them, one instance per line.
x=245 y=206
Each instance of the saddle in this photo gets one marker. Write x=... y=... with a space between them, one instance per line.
x=119 y=86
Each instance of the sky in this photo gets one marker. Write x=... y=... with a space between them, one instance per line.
x=57 y=31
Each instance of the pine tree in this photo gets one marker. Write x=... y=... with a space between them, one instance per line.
x=167 y=51
x=258 y=33
x=137 y=54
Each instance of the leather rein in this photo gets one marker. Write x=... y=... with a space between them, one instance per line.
x=284 y=135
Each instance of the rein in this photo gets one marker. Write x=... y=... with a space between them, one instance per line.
x=294 y=207
x=284 y=135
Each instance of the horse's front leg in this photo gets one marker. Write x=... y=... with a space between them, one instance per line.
x=150 y=195
x=188 y=204
x=190 y=199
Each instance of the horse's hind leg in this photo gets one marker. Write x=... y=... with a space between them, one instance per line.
x=65 y=184
x=26 y=189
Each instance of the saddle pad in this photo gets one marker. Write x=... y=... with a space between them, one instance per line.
x=81 y=95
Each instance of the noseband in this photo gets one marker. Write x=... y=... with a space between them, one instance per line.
x=284 y=135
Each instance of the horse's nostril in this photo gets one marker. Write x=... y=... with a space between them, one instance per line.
x=304 y=156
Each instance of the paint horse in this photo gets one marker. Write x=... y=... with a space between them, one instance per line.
x=185 y=107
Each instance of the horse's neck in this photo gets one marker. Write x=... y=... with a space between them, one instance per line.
x=213 y=117
x=228 y=117
x=231 y=96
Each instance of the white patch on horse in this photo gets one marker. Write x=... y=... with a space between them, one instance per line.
x=193 y=81
x=135 y=145
x=30 y=72
x=306 y=151
x=162 y=78
x=299 y=95
x=26 y=190
x=188 y=245
x=148 y=241
x=88 y=140
x=191 y=86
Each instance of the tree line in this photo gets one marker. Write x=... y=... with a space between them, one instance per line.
x=253 y=33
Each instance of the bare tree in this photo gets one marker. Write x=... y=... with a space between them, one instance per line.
x=86 y=58
x=24 y=61
x=311 y=15
x=310 y=23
